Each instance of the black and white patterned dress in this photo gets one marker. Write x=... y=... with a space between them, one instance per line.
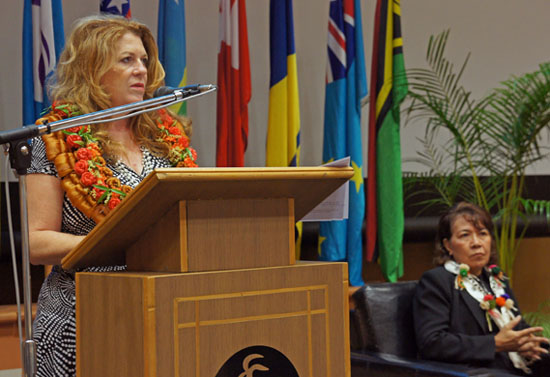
x=55 y=325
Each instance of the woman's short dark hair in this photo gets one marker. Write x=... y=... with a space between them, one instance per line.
x=474 y=214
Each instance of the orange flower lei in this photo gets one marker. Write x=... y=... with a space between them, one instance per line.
x=78 y=158
x=171 y=133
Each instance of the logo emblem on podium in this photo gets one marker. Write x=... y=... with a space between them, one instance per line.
x=258 y=361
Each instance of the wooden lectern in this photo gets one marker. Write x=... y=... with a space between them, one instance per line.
x=212 y=288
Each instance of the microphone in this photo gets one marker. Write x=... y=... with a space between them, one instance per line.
x=184 y=91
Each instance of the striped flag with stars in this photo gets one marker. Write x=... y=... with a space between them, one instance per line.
x=346 y=86
x=120 y=7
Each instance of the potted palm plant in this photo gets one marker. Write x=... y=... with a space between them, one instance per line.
x=478 y=149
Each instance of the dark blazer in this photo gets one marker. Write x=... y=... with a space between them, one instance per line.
x=450 y=325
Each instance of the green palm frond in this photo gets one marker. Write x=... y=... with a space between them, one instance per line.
x=478 y=150
x=425 y=185
x=541 y=317
x=436 y=91
x=536 y=207
x=517 y=114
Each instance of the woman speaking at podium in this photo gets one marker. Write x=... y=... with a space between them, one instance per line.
x=80 y=174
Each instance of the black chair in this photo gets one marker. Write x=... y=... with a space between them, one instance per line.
x=382 y=336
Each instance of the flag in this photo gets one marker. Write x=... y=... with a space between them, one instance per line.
x=346 y=85
x=172 y=47
x=119 y=7
x=283 y=128
x=43 y=40
x=234 y=89
x=385 y=215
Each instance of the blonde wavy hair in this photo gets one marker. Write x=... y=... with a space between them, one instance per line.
x=87 y=56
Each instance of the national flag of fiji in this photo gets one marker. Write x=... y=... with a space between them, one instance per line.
x=43 y=41
x=283 y=128
x=120 y=7
x=172 y=47
x=234 y=88
x=346 y=86
x=385 y=214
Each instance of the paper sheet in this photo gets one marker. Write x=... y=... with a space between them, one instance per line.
x=336 y=205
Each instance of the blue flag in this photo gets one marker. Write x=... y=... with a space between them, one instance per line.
x=346 y=87
x=283 y=128
x=118 y=7
x=43 y=40
x=171 y=44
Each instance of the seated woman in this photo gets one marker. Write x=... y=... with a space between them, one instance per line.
x=464 y=311
x=80 y=174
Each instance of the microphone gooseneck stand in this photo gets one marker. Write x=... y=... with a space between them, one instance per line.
x=20 y=154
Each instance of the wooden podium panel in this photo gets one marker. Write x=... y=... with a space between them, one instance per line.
x=190 y=325
x=209 y=235
x=162 y=191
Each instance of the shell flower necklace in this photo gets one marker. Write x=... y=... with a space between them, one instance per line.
x=78 y=158
x=499 y=308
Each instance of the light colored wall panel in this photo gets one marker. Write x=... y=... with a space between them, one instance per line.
x=505 y=37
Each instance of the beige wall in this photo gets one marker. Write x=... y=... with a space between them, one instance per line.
x=505 y=37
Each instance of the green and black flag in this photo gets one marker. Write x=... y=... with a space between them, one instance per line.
x=385 y=218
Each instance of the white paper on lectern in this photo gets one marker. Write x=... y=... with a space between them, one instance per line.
x=336 y=205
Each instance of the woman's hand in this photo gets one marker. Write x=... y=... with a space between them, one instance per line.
x=532 y=349
x=523 y=341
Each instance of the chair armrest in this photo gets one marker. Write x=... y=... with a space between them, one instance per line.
x=366 y=363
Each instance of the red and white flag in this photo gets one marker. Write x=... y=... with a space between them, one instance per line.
x=234 y=90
